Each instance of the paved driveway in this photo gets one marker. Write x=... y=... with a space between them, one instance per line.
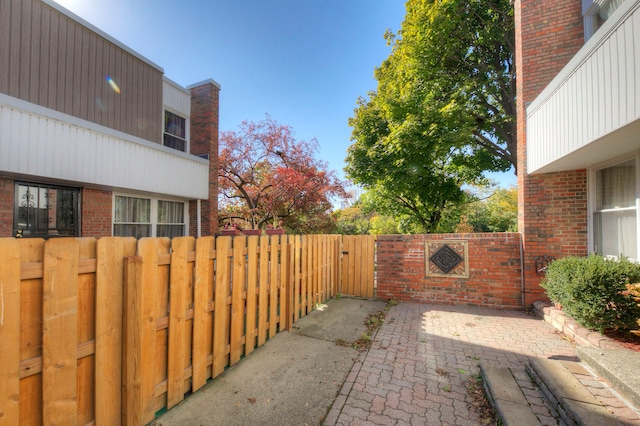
x=416 y=370
x=414 y=373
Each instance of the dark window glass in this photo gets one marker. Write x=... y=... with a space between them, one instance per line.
x=46 y=211
x=175 y=134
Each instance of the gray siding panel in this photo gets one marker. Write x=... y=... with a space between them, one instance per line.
x=51 y=60
x=5 y=34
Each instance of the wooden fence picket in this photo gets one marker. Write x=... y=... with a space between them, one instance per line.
x=297 y=277
x=252 y=288
x=274 y=284
x=179 y=284
x=110 y=331
x=237 y=302
x=202 y=316
x=31 y=257
x=306 y=277
x=140 y=347
x=263 y=291
x=220 y=305
x=59 y=325
x=110 y=255
x=10 y=330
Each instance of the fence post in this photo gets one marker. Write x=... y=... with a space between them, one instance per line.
x=10 y=330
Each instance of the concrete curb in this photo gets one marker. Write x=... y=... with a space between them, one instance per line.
x=618 y=367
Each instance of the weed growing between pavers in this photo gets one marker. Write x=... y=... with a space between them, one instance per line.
x=372 y=322
x=478 y=401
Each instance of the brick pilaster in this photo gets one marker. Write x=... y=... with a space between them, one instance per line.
x=96 y=213
x=552 y=207
x=205 y=101
x=7 y=189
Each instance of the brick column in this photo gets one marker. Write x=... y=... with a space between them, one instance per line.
x=7 y=188
x=96 y=213
x=205 y=101
x=552 y=207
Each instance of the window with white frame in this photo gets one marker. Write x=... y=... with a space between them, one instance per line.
x=595 y=13
x=615 y=211
x=148 y=217
x=175 y=131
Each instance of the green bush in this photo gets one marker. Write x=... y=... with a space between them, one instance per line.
x=593 y=291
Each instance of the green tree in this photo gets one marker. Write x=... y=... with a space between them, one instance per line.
x=353 y=220
x=496 y=212
x=443 y=112
x=382 y=224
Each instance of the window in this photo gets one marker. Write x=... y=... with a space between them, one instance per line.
x=148 y=217
x=614 y=216
x=46 y=211
x=132 y=217
x=595 y=13
x=175 y=131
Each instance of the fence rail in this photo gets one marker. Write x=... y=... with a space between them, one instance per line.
x=112 y=330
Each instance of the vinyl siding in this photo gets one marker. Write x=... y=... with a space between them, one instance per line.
x=51 y=145
x=49 y=59
x=591 y=111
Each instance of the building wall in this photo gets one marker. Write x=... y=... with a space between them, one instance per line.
x=205 y=101
x=552 y=208
x=96 y=213
x=6 y=207
x=48 y=59
x=494 y=273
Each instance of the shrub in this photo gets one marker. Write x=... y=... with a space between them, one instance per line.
x=593 y=291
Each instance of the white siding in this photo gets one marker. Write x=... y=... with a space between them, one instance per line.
x=176 y=98
x=62 y=148
x=591 y=111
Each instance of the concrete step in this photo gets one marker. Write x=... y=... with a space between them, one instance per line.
x=548 y=382
x=567 y=396
x=506 y=396
x=618 y=366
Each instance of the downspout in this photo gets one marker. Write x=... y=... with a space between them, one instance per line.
x=521 y=269
x=198 y=218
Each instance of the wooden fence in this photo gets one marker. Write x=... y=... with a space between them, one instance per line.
x=358 y=265
x=112 y=330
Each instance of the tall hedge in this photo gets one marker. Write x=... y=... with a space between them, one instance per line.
x=593 y=291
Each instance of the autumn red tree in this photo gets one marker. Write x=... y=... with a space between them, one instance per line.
x=268 y=178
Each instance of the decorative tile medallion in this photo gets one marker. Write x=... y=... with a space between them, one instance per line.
x=447 y=258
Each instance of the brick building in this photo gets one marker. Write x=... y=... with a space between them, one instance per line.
x=94 y=139
x=578 y=99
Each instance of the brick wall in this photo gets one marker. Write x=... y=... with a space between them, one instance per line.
x=6 y=207
x=205 y=99
x=494 y=271
x=552 y=208
x=96 y=213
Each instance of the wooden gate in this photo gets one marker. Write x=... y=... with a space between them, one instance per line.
x=358 y=265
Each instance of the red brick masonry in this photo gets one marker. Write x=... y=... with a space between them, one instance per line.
x=494 y=271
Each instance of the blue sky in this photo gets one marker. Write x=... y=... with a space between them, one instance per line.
x=304 y=62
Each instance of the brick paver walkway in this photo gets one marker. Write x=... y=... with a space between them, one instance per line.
x=416 y=369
